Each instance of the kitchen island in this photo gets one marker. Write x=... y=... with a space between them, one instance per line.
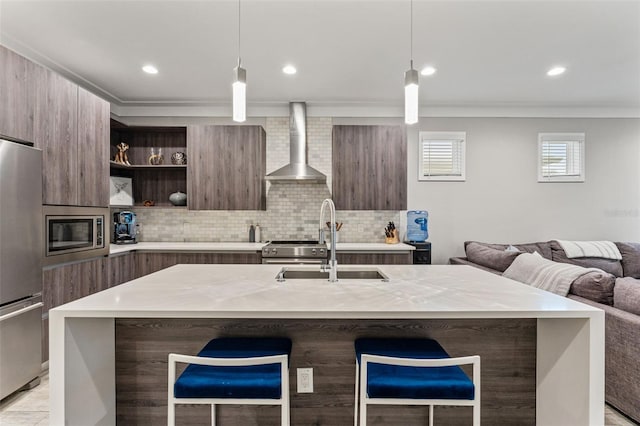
x=542 y=355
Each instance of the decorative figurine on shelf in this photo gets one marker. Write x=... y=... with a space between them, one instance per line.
x=178 y=198
x=156 y=159
x=179 y=158
x=121 y=155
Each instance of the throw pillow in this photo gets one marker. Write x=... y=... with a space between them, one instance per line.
x=543 y=248
x=535 y=270
x=630 y=259
x=597 y=286
x=490 y=257
x=626 y=295
x=614 y=267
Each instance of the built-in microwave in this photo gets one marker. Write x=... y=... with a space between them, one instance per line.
x=74 y=233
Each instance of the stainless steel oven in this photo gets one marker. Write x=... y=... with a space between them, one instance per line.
x=294 y=252
x=74 y=233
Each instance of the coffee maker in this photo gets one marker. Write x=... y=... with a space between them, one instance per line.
x=124 y=228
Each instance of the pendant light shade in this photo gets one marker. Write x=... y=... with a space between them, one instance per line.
x=411 y=83
x=239 y=84
x=411 y=96
x=239 y=94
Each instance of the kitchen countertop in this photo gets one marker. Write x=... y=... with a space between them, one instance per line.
x=238 y=247
x=251 y=291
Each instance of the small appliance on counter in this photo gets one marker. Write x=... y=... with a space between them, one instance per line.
x=124 y=227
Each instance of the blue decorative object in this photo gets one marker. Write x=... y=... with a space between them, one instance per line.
x=417 y=225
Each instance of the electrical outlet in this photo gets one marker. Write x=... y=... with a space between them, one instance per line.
x=305 y=380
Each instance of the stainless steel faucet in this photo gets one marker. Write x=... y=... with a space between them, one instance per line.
x=332 y=267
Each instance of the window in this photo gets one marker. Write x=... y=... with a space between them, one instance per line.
x=441 y=156
x=561 y=157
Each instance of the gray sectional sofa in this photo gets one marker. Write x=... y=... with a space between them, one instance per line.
x=617 y=292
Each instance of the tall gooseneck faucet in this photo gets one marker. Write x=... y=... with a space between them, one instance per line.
x=332 y=267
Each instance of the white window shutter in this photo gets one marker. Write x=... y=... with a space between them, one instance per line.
x=442 y=156
x=561 y=157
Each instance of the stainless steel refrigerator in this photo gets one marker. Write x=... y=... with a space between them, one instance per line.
x=21 y=250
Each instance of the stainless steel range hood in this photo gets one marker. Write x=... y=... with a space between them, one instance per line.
x=297 y=170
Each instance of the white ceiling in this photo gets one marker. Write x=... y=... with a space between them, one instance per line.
x=488 y=54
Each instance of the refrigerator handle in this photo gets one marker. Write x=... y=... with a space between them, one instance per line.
x=21 y=311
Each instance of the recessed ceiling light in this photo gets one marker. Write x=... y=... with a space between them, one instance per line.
x=150 y=69
x=556 y=71
x=289 y=69
x=428 y=71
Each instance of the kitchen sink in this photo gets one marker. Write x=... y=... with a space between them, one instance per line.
x=344 y=274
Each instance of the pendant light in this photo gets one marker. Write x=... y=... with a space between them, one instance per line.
x=239 y=85
x=411 y=85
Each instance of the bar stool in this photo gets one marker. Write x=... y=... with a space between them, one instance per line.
x=413 y=372
x=233 y=371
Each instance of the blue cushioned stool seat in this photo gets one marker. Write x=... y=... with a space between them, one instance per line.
x=393 y=381
x=241 y=382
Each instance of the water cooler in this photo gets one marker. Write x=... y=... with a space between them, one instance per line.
x=417 y=234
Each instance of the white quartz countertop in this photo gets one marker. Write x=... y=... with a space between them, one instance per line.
x=238 y=247
x=251 y=291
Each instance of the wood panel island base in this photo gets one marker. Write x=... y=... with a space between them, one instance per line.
x=542 y=355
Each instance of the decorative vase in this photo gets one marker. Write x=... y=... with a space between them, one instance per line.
x=179 y=158
x=178 y=198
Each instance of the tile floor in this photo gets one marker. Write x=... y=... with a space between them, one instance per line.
x=32 y=408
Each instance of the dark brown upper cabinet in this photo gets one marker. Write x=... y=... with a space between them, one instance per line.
x=369 y=167
x=93 y=147
x=68 y=123
x=226 y=167
x=56 y=133
x=71 y=126
x=17 y=95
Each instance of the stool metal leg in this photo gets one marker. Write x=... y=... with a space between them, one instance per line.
x=431 y=415
x=171 y=408
x=171 y=414
x=355 y=404
x=213 y=414
x=363 y=394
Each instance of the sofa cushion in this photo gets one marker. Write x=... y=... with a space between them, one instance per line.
x=490 y=257
x=626 y=295
x=597 y=286
x=630 y=259
x=543 y=248
x=613 y=267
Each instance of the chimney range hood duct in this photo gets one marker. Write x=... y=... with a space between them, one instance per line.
x=297 y=170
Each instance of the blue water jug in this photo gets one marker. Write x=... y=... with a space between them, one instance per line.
x=417 y=225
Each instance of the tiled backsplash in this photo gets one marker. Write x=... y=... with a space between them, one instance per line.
x=293 y=209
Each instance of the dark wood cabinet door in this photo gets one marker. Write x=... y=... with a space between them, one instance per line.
x=17 y=95
x=93 y=149
x=56 y=134
x=66 y=283
x=150 y=262
x=121 y=268
x=369 y=167
x=401 y=258
x=226 y=167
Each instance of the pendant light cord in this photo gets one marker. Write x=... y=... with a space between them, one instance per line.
x=239 y=40
x=411 y=34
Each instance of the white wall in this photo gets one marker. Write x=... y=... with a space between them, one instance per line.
x=501 y=200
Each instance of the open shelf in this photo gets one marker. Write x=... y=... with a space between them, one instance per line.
x=115 y=165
